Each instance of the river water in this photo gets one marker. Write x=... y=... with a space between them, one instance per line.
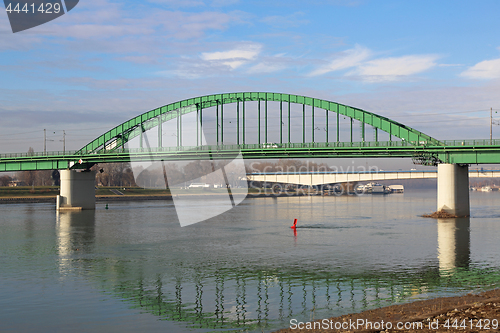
x=132 y=267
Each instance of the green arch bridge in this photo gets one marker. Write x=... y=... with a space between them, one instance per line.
x=259 y=125
x=111 y=146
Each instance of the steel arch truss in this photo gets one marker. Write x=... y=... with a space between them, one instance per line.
x=118 y=136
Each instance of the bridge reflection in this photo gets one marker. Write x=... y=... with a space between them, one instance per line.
x=75 y=234
x=251 y=296
x=453 y=243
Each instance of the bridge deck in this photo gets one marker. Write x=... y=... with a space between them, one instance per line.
x=481 y=152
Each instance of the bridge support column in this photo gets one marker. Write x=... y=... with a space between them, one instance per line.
x=453 y=189
x=77 y=190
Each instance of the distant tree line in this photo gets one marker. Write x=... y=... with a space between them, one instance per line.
x=161 y=175
x=114 y=174
x=287 y=166
x=155 y=176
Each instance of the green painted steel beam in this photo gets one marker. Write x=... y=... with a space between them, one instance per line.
x=244 y=127
x=258 y=122
x=460 y=154
x=265 y=121
x=327 y=126
x=238 y=122
x=312 y=121
x=303 y=123
x=289 y=117
x=222 y=122
x=281 y=121
x=338 y=123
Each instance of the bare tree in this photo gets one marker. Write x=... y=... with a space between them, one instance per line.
x=175 y=176
x=114 y=174
x=128 y=177
x=43 y=178
x=5 y=180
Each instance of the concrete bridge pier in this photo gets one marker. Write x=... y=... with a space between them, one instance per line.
x=453 y=189
x=77 y=190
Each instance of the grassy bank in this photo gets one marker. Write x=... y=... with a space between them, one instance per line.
x=53 y=191
x=28 y=191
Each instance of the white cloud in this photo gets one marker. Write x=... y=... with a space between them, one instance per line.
x=195 y=3
x=382 y=69
x=488 y=69
x=102 y=31
x=96 y=21
x=266 y=67
x=409 y=104
x=395 y=68
x=283 y=22
x=347 y=59
x=233 y=58
x=193 y=25
x=179 y=3
x=221 y=3
x=141 y=59
x=245 y=60
x=272 y=64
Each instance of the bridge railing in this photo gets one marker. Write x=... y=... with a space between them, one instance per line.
x=38 y=154
x=485 y=142
x=262 y=146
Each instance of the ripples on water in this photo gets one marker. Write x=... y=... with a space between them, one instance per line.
x=133 y=268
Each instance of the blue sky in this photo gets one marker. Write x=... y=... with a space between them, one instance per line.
x=433 y=65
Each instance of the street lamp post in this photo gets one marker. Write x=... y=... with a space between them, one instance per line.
x=64 y=142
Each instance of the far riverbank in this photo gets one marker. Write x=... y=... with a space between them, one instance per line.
x=28 y=194
x=49 y=194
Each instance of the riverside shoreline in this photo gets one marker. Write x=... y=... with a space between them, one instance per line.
x=143 y=197
x=467 y=313
x=52 y=199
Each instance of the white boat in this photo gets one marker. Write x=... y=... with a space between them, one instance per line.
x=486 y=189
x=379 y=189
x=198 y=185
x=397 y=188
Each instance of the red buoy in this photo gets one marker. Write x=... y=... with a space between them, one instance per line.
x=294 y=226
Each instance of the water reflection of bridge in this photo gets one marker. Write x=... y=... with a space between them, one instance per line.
x=255 y=296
